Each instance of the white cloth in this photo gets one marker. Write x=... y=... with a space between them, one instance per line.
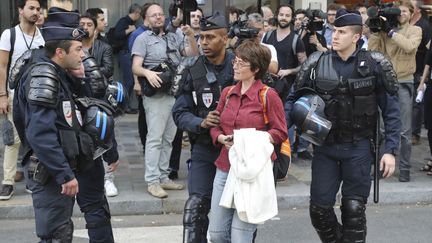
x=250 y=185
x=272 y=51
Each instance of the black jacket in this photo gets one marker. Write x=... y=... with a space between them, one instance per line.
x=103 y=54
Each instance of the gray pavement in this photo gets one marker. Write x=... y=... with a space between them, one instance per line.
x=134 y=199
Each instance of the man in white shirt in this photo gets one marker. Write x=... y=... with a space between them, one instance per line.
x=27 y=36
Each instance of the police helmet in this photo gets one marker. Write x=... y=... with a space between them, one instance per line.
x=308 y=115
x=99 y=125
x=116 y=95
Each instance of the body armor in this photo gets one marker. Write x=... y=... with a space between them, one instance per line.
x=350 y=103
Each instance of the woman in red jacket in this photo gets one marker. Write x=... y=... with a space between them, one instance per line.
x=241 y=107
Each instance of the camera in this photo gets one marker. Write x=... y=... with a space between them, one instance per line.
x=240 y=30
x=376 y=23
x=186 y=6
x=313 y=22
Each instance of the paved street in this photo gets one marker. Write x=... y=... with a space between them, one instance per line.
x=386 y=224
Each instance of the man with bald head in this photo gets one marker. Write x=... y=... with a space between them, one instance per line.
x=194 y=112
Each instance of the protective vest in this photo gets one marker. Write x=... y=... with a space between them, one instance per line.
x=350 y=103
x=207 y=83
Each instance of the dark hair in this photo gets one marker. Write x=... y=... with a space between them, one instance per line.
x=233 y=10
x=134 y=8
x=145 y=7
x=333 y=6
x=51 y=46
x=358 y=6
x=89 y=16
x=22 y=3
x=301 y=11
x=256 y=54
x=285 y=6
x=94 y=12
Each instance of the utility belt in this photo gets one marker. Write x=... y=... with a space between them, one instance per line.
x=37 y=171
x=345 y=136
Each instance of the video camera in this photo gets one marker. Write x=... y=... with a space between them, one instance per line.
x=376 y=23
x=186 y=6
x=314 y=21
x=240 y=30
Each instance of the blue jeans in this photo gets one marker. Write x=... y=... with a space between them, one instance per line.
x=225 y=225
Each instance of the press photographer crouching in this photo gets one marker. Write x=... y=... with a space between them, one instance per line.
x=306 y=25
x=396 y=38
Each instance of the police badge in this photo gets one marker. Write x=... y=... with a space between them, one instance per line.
x=207 y=99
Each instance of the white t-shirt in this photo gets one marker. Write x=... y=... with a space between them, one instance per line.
x=20 y=45
x=272 y=51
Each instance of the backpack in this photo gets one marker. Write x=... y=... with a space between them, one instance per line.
x=115 y=43
x=283 y=150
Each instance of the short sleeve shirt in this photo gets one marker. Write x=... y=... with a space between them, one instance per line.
x=153 y=48
x=21 y=45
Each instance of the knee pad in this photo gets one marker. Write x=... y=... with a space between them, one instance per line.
x=353 y=220
x=64 y=233
x=104 y=216
x=325 y=223
x=195 y=220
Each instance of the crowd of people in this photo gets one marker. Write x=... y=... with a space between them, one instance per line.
x=240 y=89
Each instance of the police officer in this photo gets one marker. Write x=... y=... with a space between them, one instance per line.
x=194 y=112
x=57 y=136
x=352 y=83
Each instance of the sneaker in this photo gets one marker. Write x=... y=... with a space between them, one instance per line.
x=305 y=155
x=156 y=191
x=19 y=176
x=171 y=185
x=173 y=175
x=28 y=190
x=6 y=192
x=110 y=188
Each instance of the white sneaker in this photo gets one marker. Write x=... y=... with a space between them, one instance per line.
x=110 y=189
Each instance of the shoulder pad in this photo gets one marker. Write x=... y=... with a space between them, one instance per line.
x=14 y=73
x=94 y=76
x=90 y=63
x=390 y=81
x=43 y=85
x=306 y=68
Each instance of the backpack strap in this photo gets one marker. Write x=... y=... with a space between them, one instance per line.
x=230 y=88
x=267 y=36
x=263 y=97
x=11 y=51
x=294 y=44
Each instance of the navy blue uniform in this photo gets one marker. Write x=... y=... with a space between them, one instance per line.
x=346 y=154
x=200 y=95
x=40 y=127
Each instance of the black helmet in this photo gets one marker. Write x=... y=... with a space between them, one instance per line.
x=117 y=97
x=99 y=125
x=308 y=115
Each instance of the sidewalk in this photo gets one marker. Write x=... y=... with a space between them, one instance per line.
x=133 y=198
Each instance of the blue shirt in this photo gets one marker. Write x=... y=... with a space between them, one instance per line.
x=134 y=35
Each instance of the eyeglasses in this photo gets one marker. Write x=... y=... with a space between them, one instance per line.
x=156 y=15
x=239 y=63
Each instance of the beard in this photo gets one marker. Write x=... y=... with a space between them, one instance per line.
x=283 y=25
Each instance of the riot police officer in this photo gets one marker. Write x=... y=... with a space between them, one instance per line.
x=352 y=83
x=63 y=131
x=194 y=112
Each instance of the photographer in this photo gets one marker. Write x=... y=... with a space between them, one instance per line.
x=399 y=42
x=305 y=26
x=151 y=49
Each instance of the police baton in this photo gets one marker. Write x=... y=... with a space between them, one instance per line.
x=377 y=159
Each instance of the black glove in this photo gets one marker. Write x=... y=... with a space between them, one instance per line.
x=386 y=26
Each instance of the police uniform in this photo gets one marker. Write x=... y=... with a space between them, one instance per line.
x=199 y=95
x=55 y=152
x=352 y=90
